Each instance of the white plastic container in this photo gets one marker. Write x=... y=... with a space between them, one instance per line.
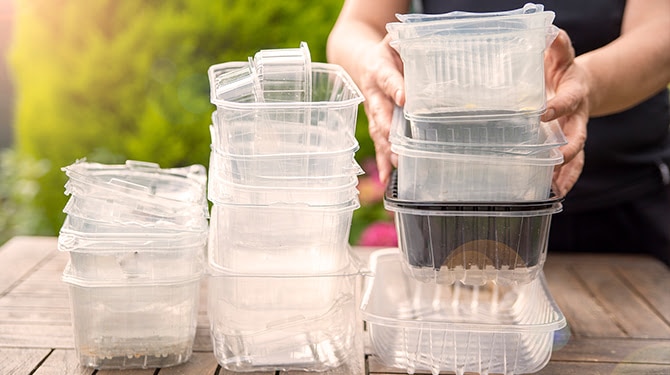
x=280 y=239
x=285 y=323
x=418 y=326
x=123 y=325
x=451 y=177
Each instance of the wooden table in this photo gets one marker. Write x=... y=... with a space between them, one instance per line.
x=617 y=308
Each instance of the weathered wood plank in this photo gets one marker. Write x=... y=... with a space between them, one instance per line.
x=26 y=315
x=200 y=363
x=572 y=368
x=615 y=350
x=36 y=336
x=20 y=361
x=63 y=361
x=23 y=254
x=583 y=313
x=651 y=283
x=623 y=304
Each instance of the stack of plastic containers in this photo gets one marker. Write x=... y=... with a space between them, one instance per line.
x=282 y=180
x=471 y=196
x=136 y=235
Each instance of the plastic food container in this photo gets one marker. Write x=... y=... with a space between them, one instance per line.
x=284 y=323
x=284 y=74
x=450 y=177
x=287 y=169
x=141 y=186
x=472 y=243
x=491 y=328
x=511 y=134
x=333 y=105
x=122 y=325
x=222 y=191
x=487 y=62
x=280 y=239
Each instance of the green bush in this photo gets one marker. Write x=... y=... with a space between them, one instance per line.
x=113 y=80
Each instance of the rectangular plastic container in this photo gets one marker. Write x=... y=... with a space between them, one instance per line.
x=284 y=74
x=285 y=323
x=280 y=239
x=511 y=134
x=451 y=177
x=482 y=62
x=333 y=105
x=495 y=329
x=472 y=243
x=320 y=194
x=286 y=169
x=123 y=325
x=141 y=186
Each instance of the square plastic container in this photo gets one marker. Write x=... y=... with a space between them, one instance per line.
x=512 y=134
x=280 y=239
x=222 y=191
x=108 y=211
x=333 y=105
x=284 y=323
x=484 y=63
x=472 y=243
x=284 y=74
x=141 y=186
x=432 y=327
x=495 y=177
x=287 y=169
x=123 y=325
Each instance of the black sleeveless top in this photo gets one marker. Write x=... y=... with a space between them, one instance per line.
x=626 y=154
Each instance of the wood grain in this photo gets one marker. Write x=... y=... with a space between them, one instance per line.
x=63 y=361
x=20 y=255
x=20 y=361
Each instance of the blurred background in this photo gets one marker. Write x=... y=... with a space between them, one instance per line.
x=111 y=80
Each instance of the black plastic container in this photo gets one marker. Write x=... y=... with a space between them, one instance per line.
x=472 y=242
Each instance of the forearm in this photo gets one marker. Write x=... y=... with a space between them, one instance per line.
x=630 y=69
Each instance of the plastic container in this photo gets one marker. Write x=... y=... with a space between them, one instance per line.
x=123 y=325
x=472 y=243
x=333 y=105
x=331 y=169
x=222 y=191
x=432 y=327
x=141 y=186
x=495 y=177
x=280 y=239
x=285 y=323
x=284 y=74
x=488 y=63
x=513 y=134
x=132 y=215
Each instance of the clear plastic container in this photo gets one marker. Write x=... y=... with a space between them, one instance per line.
x=495 y=177
x=512 y=134
x=472 y=243
x=280 y=239
x=141 y=185
x=284 y=74
x=488 y=63
x=132 y=215
x=333 y=168
x=333 y=105
x=418 y=326
x=222 y=191
x=123 y=325
x=284 y=323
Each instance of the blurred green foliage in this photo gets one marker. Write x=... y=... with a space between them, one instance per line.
x=114 y=80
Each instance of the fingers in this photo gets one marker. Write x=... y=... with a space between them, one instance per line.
x=566 y=175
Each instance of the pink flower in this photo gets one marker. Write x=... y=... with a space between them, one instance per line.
x=380 y=233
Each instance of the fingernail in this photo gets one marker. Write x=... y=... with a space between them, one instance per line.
x=549 y=115
x=398 y=97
